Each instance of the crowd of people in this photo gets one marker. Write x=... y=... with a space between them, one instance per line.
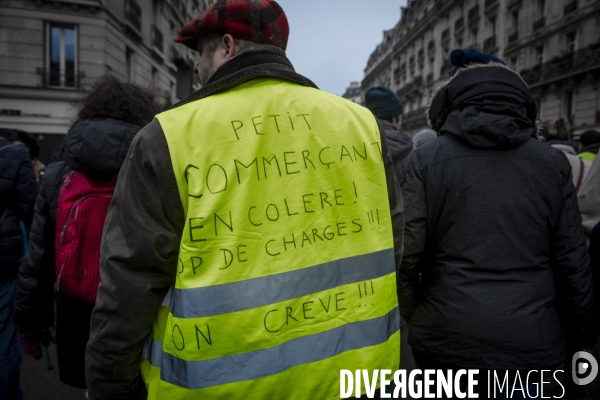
x=108 y=119
x=147 y=256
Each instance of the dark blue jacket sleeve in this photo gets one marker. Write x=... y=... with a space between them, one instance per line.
x=415 y=233
x=27 y=189
x=34 y=299
x=570 y=260
x=18 y=190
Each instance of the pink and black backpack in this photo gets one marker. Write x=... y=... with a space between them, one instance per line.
x=82 y=207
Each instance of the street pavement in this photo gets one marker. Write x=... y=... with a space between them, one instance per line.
x=37 y=383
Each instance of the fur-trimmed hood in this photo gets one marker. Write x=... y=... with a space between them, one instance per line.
x=484 y=106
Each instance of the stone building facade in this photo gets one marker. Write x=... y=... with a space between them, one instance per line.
x=554 y=44
x=52 y=50
x=352 y=93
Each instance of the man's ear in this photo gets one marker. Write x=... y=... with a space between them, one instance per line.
x=229 y=46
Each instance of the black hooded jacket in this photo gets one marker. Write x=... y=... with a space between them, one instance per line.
x=18 y=189
x=95 y=147
x=493 y=225
x=400 y=146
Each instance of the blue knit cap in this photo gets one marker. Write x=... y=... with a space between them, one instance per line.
x=460 y=58
x=383 y=102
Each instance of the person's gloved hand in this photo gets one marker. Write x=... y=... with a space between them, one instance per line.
x=30 y=347
x=31 y=344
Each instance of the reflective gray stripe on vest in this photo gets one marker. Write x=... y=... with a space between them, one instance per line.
x=153 y=352
x=267 y=362
x=167 y=300
x=251 y=293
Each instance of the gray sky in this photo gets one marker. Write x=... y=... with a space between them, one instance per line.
x=331 y=40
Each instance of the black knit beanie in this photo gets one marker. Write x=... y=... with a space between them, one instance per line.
x=589 y=137
x=383 y=102
x=460 y=59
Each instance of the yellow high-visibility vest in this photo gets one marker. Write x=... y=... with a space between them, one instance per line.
x=286 y=270
x=587 y=156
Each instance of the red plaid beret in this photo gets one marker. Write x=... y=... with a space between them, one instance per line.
x=256 y=20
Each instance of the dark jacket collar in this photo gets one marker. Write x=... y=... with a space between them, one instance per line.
x=387 y=125
x=4 y=142
x=592 y=148
x=400 y=144
x=248 y=65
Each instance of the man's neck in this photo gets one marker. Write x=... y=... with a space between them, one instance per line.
x=246 y=66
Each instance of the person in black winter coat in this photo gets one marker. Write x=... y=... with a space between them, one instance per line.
x=387 y=106
x=108 y=119
x=593 y=330
x=18 y=190
x=29 y=143
x=493 y=226
x=589 y=144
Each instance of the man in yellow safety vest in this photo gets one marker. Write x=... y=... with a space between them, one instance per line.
x=251 y=247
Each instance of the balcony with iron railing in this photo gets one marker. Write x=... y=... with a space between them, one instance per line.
x=133 y=14
x=570 y=7
x=60 y=79
x=533 y=74
x=539 y=23
x=157 y=38
x=415 y=118
x=409 y=87
x=583 y=59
